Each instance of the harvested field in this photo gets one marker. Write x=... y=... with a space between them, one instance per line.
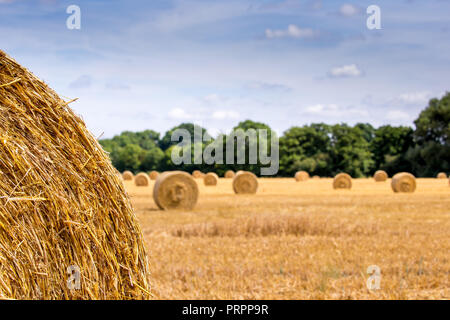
x=300 y=241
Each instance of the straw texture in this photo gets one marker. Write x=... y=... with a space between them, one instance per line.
x=62 y=203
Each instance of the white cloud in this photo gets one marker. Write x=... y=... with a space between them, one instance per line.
x=225 y=114
x=350 y=70
x=292 y=31
x=415 y=97
x=348 y=10
x=334 y=111
x=179 y=113
x=394 y=115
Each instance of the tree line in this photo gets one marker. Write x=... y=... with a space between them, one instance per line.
x=317 y=148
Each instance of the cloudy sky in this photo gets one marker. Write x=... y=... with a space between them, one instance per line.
x=138 y=65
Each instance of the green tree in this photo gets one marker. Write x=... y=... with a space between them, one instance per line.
x=350 y=151
x=389 y=147
x=432 y=136
x=305 y=148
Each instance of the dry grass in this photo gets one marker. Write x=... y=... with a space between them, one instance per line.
x=300 y=241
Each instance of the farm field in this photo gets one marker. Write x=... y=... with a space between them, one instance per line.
x=300 y=240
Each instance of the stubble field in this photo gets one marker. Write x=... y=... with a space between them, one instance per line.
x=300 y=240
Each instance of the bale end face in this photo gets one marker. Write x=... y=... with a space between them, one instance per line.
x=210 y=179
x=175 y=190
x=380 y=176
x=301 y=176
x=245 y=183
x=127 y=175
x=442 y=175
x=342 y=181
x=153 y=175
x=229 y=174
x=403 y=182
x=197 y=174
x=142 y=180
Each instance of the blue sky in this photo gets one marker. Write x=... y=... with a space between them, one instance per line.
x=138 y=65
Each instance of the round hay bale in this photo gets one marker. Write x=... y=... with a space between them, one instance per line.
x=153 y=175
x=210 y=179
x=380 y=176
x=142 y=180
x=229 y=174
x=403 y=182
x=175 y=190
x=245 y=182
x=342 y=181
x=197 y=174
x=127 y=175
x=316 y=177
x=442 y=175
x=301 y=176
x=63 y=208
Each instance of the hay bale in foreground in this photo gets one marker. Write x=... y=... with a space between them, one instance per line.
x=153 y=175
x=229 y=174
x=442 y=175
x=245 y=183
x=62 y=204
x=127 y=175
x=175 y=190
x=403 y=182
x=210 y=179
x=142 y=180
x=342 y=181
x=301 y=176
x=197 y=174
x=380 y=176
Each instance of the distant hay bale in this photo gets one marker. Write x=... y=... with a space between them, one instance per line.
x=210 y=179
x=301 y=176
x=316 y=177
x=175 y=190
x=442 y=175
x=403 y=182
x=245 y=183
x=63 y=207
x=127 y=175
x=142 y=180
x=380 y=176
x=342 y=181
x=153 y=175
x=197 y=174
x=229 y=174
